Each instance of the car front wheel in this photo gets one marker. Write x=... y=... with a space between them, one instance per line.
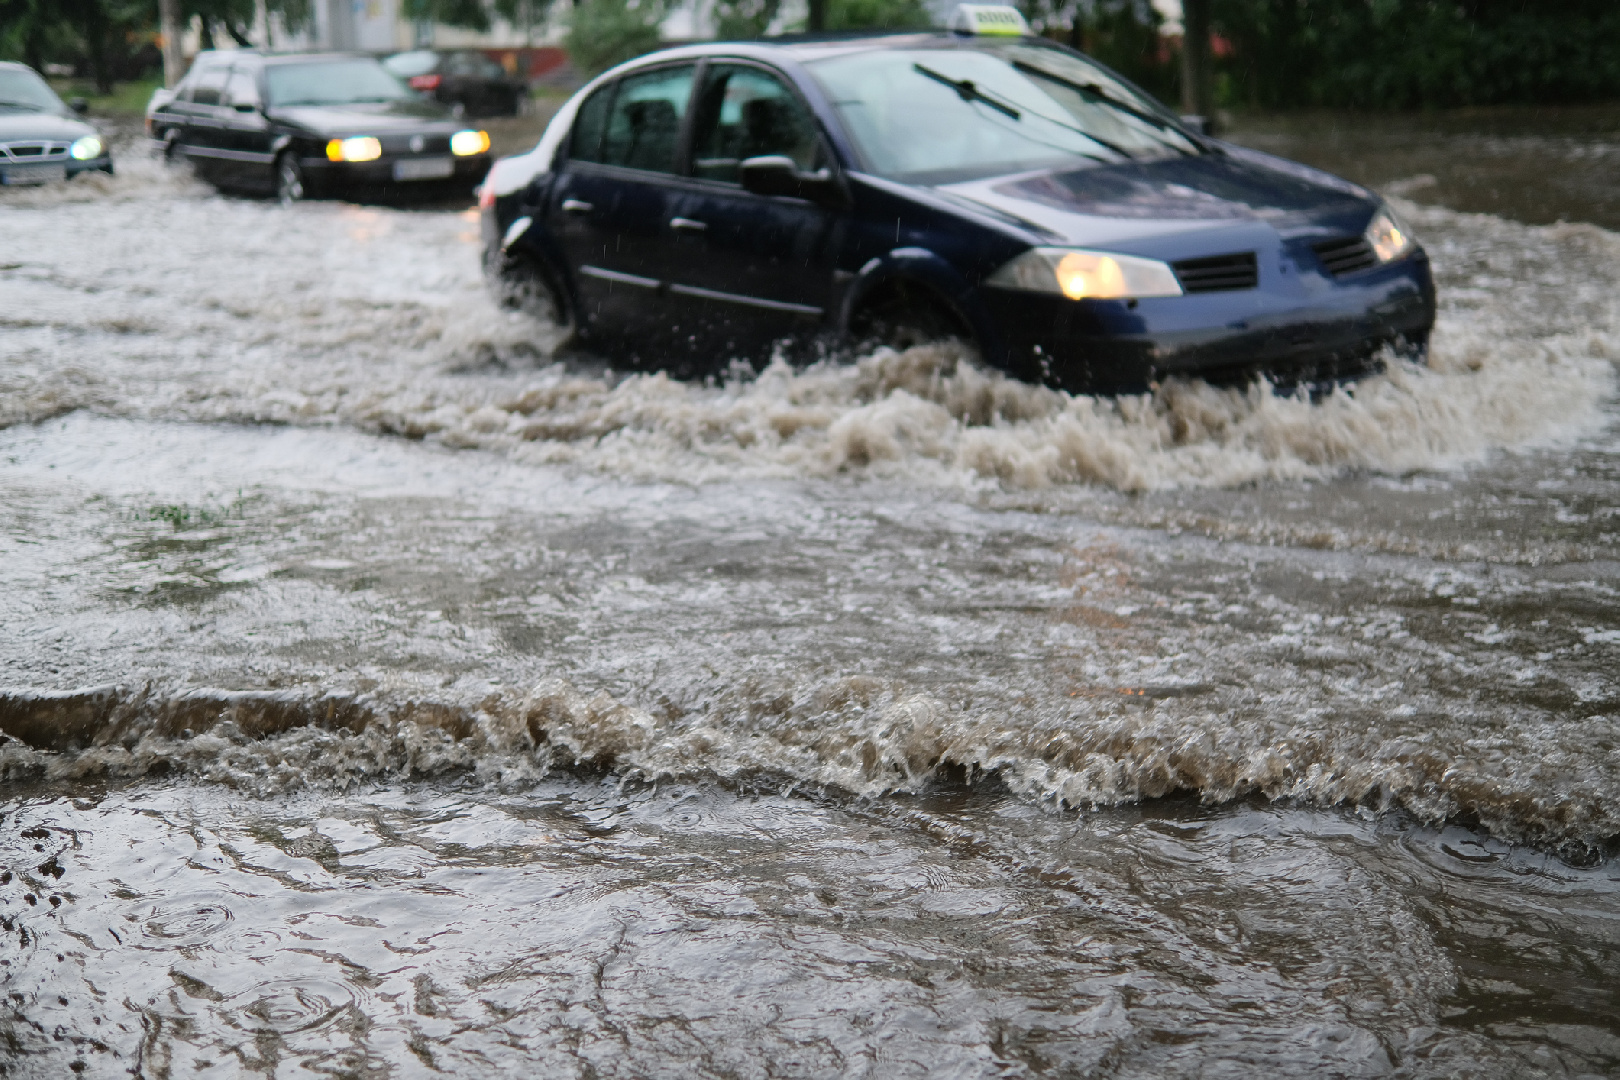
x=290 y=185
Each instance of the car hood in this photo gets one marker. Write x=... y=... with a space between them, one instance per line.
x=1143 y=200
x=375 y=119
x=37 y=125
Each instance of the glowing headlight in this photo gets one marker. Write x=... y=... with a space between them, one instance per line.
x=1388 y=236
x=360 y=148
x=467 y=143
x=85 y=149
x=1087 y=275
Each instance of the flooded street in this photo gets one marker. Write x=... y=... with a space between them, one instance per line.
x=383 y=696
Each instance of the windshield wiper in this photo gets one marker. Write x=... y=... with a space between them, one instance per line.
x=1092 y=90
x=967 y=91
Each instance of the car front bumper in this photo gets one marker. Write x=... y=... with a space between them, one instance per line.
x=464 y=171
x=27 y=173
x=1319 y=330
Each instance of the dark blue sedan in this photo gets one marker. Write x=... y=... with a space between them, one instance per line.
x=711 y=201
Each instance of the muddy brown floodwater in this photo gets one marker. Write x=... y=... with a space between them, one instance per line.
x=385 y=696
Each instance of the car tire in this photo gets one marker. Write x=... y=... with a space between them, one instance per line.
x=523 y=284
x=903 y=315
x=171 y=146
x=290 y=184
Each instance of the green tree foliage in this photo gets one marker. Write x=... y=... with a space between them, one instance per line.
x=101 y=34
x=1125 y=35
x=742 y=19
x=468 y=14
x=602 y=33
x=876 y=15
x=1419 y=53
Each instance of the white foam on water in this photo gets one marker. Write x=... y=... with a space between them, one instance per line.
x=240 y=310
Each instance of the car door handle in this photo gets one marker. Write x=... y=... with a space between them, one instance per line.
x=686 y=224
x=574 y=206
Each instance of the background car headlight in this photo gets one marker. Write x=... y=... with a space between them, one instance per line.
x=1083 y=275
x=467 y=143
x=1388 y=236
x=360 y=148
x=85 y=149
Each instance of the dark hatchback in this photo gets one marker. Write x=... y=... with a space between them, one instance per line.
x=463 y=79
x=701 y=203
x=40 y=138
x=298 y=125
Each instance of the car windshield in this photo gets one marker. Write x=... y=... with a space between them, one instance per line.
x=26 y=91
x=407 y=64
x=333 y=82
x=937 y=115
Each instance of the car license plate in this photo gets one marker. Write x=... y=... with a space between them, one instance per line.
x=424 y=168
x=32 y=174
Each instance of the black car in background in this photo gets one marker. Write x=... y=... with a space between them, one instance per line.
x=40 y=138
x=307 y=124
x=461 y=78
x=709 y=200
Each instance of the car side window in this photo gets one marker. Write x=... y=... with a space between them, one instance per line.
x=744 y=113
x=209 y=87
x=242 y=89
x=644 y=124
x=585 y=141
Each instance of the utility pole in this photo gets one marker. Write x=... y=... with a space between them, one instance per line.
x=1197 y=80
x=169 y=27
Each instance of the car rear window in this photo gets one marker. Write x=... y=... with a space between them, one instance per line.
x=934 y=115
x=25 y=91
x=333 y=82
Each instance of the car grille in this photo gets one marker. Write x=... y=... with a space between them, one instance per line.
x=1220 y=273
x=1347 y=255
x=32 y=151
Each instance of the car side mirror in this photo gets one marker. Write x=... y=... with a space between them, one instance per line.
x=79 y=105
x=777 y=174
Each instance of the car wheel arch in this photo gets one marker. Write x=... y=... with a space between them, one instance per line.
x=909 y=275
x=529 y=254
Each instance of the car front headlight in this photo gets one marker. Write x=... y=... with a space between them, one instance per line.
x=360 y=148
x=468 y=143
x=1388 y=236
x=1087 y=275
x=85 y=149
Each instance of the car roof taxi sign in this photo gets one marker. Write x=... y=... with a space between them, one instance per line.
x=998 y=19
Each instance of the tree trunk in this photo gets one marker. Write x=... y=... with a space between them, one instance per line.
x=1197 y=79
x=169 y=27
x=818 y=16
x=95 y=40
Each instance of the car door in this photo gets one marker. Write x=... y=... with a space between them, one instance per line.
x=609 y=207
x=204 y=125
x=245 y=133
x=753 y=267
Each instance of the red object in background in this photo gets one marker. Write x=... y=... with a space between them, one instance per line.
x=425 y=82
x=541 y=64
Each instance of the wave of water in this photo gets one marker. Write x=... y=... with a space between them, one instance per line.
x=376 y=319
x=854 y=734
